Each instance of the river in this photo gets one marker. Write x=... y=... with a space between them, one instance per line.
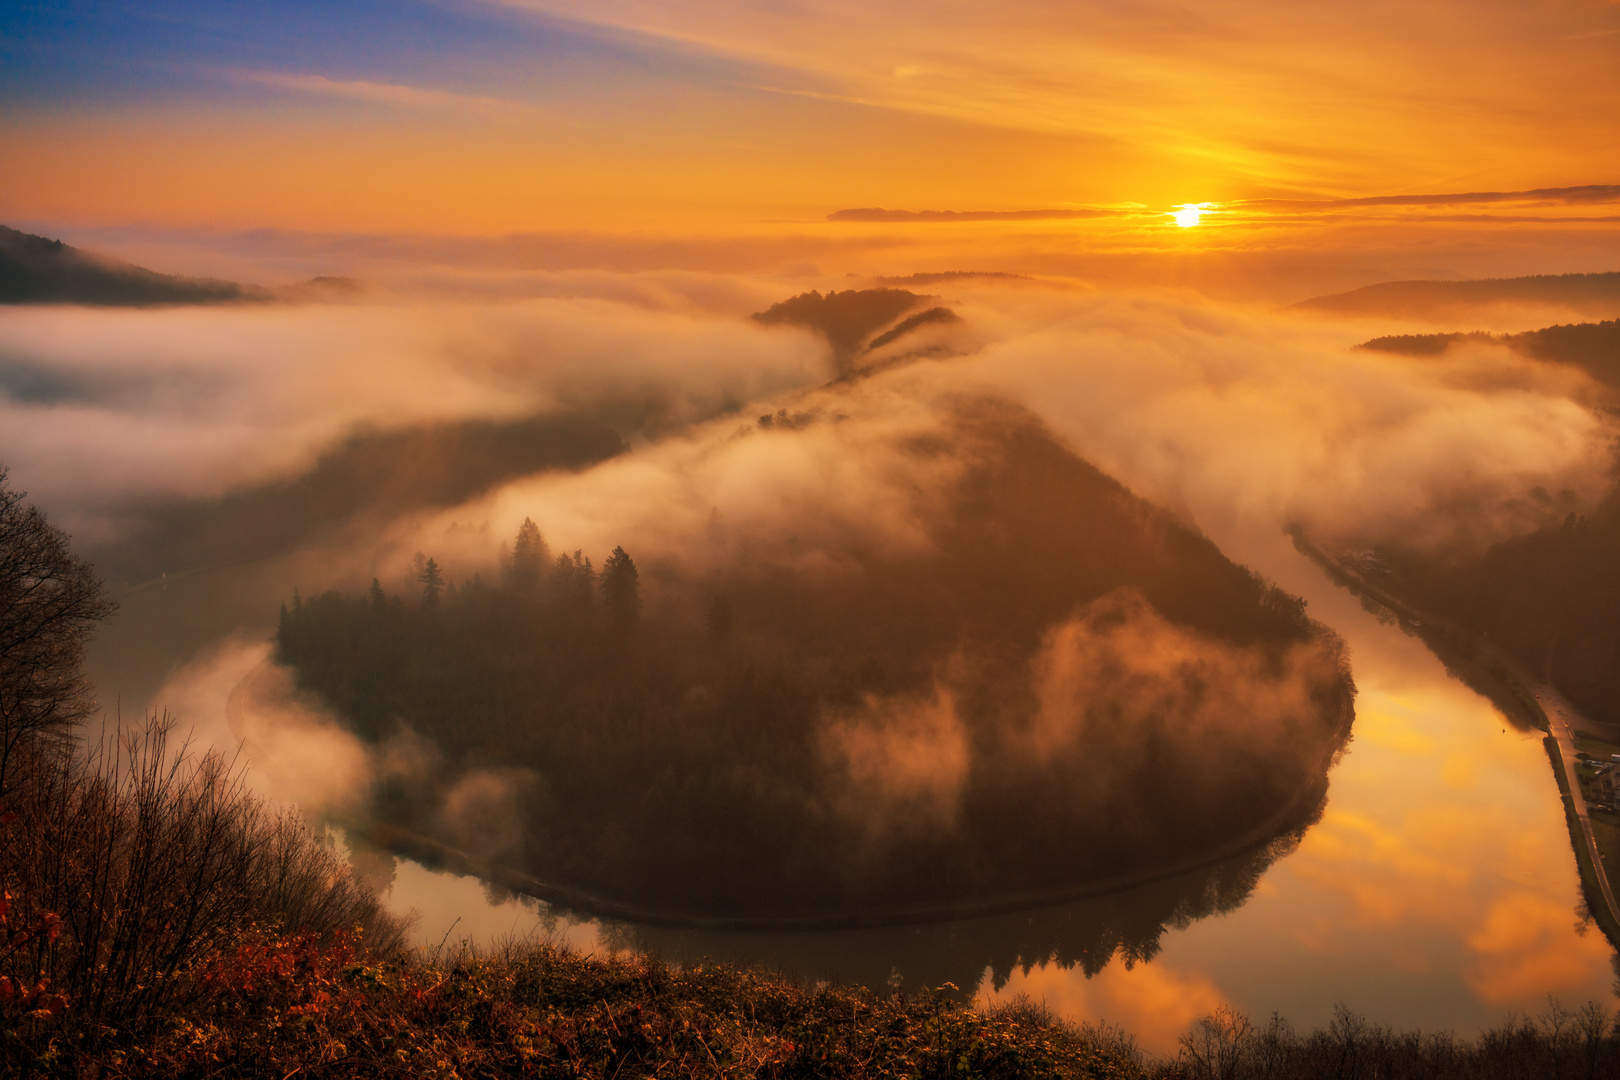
x=1437 y=891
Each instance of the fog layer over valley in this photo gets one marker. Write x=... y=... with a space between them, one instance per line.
x=898 y=635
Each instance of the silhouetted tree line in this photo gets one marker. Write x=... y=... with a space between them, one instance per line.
x=1561 y=1044
x=675 y=753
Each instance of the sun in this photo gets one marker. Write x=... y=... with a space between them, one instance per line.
x=1187 y=214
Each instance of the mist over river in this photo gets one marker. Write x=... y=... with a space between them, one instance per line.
x=1438 y=890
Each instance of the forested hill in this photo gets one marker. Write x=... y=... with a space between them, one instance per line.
x=35 y=270
x=1060 y=685
x=1597 y=294
x=1593 y=347
x=856 y=320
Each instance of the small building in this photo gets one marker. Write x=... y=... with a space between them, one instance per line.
x=1605 y=786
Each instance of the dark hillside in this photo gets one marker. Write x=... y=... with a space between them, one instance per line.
x=34 y=270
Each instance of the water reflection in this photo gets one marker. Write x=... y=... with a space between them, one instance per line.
x=1084 y=935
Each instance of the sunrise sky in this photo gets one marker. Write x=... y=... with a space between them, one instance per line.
x=732 y=125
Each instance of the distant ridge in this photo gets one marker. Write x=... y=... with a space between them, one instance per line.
x=36 y=270
x=1421 y=298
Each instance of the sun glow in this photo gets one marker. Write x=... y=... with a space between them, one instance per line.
x=1187 y=214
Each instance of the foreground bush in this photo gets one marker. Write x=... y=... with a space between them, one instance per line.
x=130 y=870
x=130 y=866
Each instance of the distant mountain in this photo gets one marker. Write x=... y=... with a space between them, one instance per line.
x=35 y=270
x=1594 y=347
x=1597 y=293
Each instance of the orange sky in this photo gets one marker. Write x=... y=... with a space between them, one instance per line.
x=716 y=118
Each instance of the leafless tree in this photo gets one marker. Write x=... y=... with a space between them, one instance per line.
x=49 y=604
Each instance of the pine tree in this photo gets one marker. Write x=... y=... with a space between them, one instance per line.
x=432 y=584
x=571 y=581
x=529 y=557
x=621 y=588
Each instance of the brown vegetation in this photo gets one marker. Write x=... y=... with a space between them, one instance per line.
x=128 y=866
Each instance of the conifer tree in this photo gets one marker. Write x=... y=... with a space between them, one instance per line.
x=432 y=584
x=529 y=557
x=621 y=588
x=572 y=579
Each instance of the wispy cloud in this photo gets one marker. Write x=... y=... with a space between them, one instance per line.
x=1285 y=95
x=878 y=213
x=1583 y=195
x=399 y=95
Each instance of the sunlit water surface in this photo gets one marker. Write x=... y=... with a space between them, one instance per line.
x=1438 y=890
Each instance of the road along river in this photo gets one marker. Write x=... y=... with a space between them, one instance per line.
x=1438 y=890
